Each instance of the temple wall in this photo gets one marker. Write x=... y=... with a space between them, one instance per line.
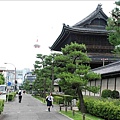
x=92 y=84
x=111 y=83
x=104 y=84
x=98 y=83
x=118 y=84
x=108 y=83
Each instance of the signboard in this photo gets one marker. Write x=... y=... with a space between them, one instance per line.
x=9 y=84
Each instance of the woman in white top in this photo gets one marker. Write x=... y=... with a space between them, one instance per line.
x=49 y=100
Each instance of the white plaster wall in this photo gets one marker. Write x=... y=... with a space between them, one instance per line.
x=104 y=84
x=111 y=83
x=92 y=84
x=98 y=83
x=87 y=92
x=118 y=84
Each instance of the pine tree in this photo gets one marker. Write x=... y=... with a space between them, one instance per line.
x=74 y=71
x=114 y=28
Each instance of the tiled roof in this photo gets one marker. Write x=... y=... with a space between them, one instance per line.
x=110 y=68
x=92 y=15
x=89 y=30
x=80 y=28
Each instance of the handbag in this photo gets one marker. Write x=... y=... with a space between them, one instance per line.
x=46 y=99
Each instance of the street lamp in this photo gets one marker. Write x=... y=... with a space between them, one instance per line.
x=15 y=74
x=104 y=59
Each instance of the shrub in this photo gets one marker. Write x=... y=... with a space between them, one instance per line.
x=106 y=93
x=11 y=96
x=58 y=99
x=1 y=105
x=105 y=109
x=115 y=94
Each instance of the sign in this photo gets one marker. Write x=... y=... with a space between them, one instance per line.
x=9 y=83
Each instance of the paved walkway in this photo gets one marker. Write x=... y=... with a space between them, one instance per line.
x=30 y=109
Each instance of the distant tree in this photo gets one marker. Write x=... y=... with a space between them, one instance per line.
x=26 y=85
x=44 y=70
x=2 y=79
x=114 y=28
x=74 y=71
x=40 y=82
x=52 y=67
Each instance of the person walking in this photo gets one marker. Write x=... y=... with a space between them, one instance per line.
x=49 y=100
x=20 y=96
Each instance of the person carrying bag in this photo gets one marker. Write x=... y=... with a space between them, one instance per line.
x=49 y=100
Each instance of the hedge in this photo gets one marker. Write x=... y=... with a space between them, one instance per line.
x=1 y=105
x=10 y=96
x=104 y=109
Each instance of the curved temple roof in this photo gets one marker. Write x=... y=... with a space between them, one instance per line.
x=80 y=28
x=98 y=13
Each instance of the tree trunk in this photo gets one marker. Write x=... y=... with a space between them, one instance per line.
x=82 y=106
x=52 y=83
x=44 y=88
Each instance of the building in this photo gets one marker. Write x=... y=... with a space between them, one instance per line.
x=10 y=76
x=110 y=77
x=92 y=32
x=30 y=77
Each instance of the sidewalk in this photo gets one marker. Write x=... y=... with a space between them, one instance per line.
x=30 y=109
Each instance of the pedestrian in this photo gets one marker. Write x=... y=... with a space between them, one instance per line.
x=20 y=96
x=49 y=100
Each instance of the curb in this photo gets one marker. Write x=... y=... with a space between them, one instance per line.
x=65 y=116
x=1 y=116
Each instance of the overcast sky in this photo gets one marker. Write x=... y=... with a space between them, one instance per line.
x=23 y=22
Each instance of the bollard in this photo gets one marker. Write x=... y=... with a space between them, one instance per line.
x=60 y=108
x=83 y=116
x=61 y=105
x=73 y=112
x=66 y=108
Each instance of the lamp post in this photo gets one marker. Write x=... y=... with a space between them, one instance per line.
x=15 y=74
x=103 y=59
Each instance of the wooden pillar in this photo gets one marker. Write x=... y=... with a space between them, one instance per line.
x=107 y=82
x=83 y=116
x=115 y=84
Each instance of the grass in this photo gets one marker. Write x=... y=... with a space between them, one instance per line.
x=79 y=116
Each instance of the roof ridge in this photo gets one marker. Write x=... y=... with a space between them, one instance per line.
x=106 y=66
x=98 y=9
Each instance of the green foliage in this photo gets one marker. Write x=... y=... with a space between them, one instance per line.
x=58 y=100
x=45 y=70
x=106 y=93
x=109 y=93
x=94 y=89
x=104 y=109
x=11 y=96
x=74 y=71
x=1 y=105
x=93 y=76
x=26 y=85
x=114 y=27
x=2 y=79
x=115 y=94
x=70 y=92
x=79 y=116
